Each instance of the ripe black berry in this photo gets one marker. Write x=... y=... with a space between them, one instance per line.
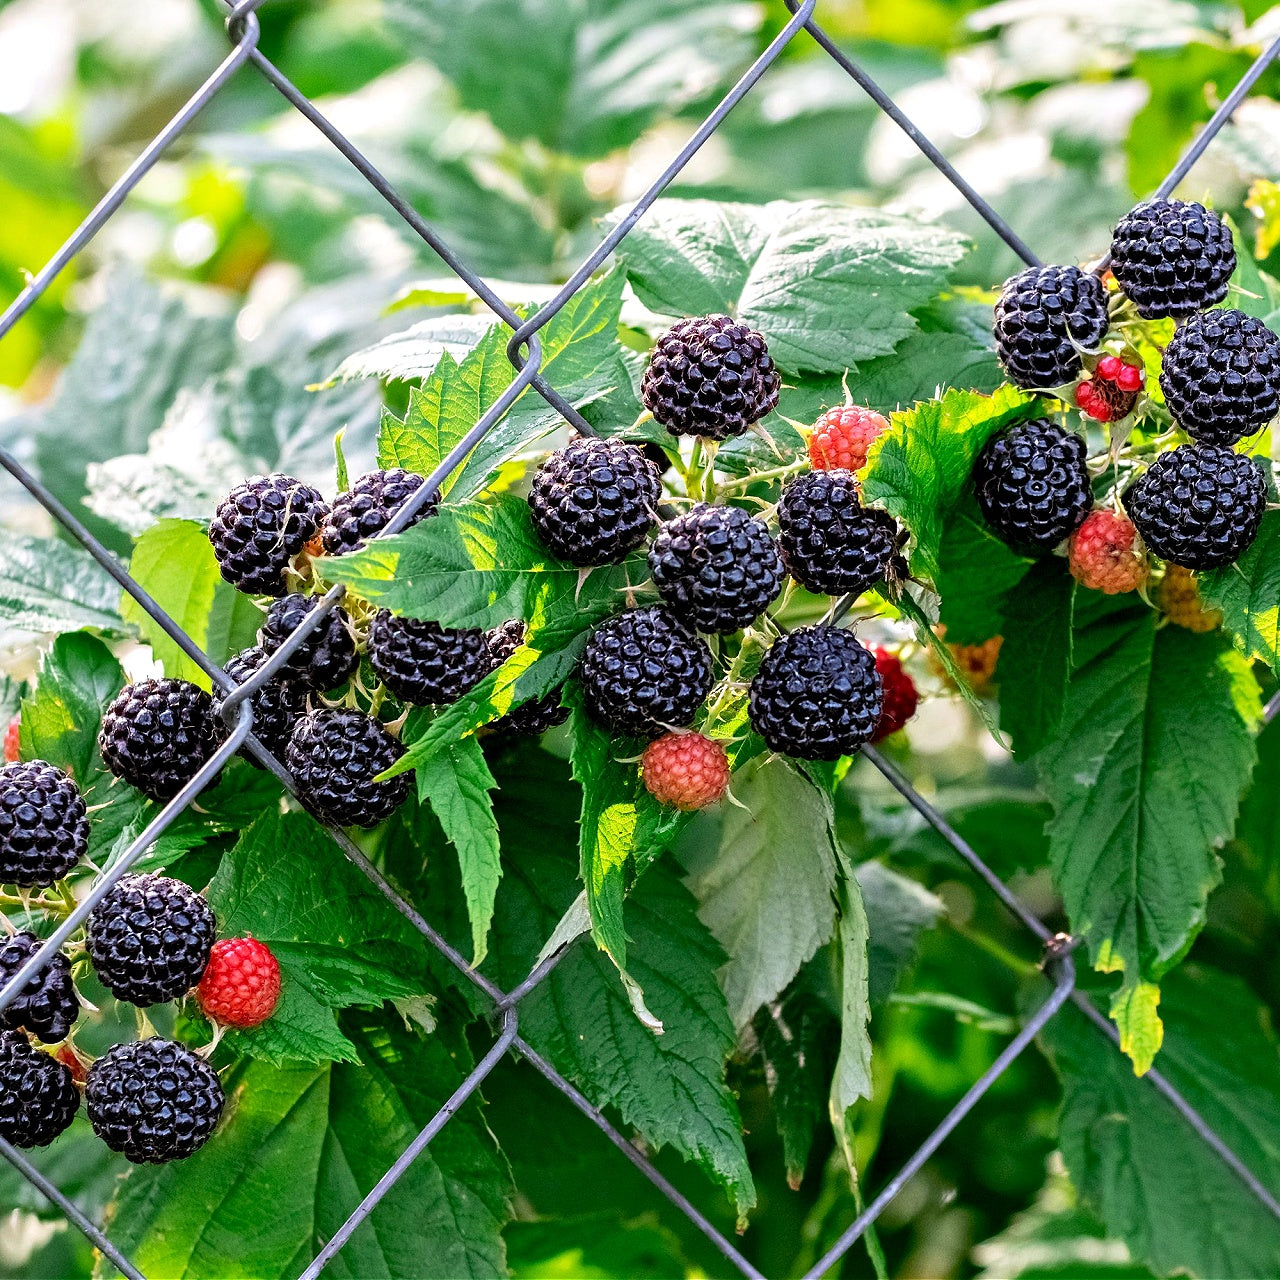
x=645 y=672
x=44 y=829
x=149 y=939
x=717 y=568
x=334 y=756
x=260 y=526
x=1198 y=506
x=1043 y=317
x=276 y=706
x=326 y=657
x=47 y=1006
x=38 y=1094
x=153 y=1100
x=364 y=510
x=157 y=734
x=817 y=695
x=424 y=663
x=830 y=542
x=1221 y=376
x=1032 y=484
x=1172 y=258
x=533 y=718
x=709 y=376
x=593 y=501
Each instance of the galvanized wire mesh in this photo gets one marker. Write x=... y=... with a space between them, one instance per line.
x=524 y=350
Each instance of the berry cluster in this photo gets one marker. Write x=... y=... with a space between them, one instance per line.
x=1198 y=506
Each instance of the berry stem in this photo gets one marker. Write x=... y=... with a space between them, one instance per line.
x=757 y=477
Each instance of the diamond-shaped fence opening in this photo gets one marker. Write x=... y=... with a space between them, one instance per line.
x=525 y=352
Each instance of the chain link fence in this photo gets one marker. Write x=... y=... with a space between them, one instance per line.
x=524 y=350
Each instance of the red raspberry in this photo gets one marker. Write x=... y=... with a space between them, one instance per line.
x=11 y=740
x=241 y=985
x=900 y=696
x=1105 y=554
x=842 y=436
x=1109 y=367
x=685 y=770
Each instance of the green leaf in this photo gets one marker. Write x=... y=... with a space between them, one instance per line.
x=920 y=467
x=976 y=572
x=1145 y=783
x=828 y=285
x=582 y=78
x=457 y=782
x=898 y=909
x=47 y=585
x=1248 y=593
x=797 y=1036
x=338 y=940
x=767 y=889
x=1037 y=655
x=852 y=1078
x=174 y=562
x=299 y=1150
x=1137 y=1162
x=477 y=565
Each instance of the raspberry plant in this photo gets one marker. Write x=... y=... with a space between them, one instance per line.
x=622 y=677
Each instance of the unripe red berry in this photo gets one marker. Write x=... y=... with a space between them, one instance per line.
x=1105 y=554
x=842 y=436
x=900 y=695
x=241 y=985
x=11 y=740
x=1130 y=378
x=1109 y=367
x=685 y=770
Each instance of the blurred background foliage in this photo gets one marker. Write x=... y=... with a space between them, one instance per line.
x=512 y=125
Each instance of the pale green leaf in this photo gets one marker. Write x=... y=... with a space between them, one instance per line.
x=46 y=585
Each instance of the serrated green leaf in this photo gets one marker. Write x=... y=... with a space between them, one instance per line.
x=477 y=565
x=920 y=467
x=1135 y=1159
x=338 y=940
x=898 y=910
x=47 y=585
x=1248 y=593
x=457 y=782
x=299 y=1150
x=581 y=78
x=174 y=562
x=1145 y=783
x=767 y=889
x=976 y=571
x=828 y=285
x=1036 y=653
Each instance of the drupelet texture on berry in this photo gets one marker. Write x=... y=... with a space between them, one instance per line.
x=149 y=939
x=687 y=771
x=645 y=671
x=717 y=568
x=424 y=663
x=1106 y=555
x=241 y=983
x=594 y=501
x=153 y=1100
x=260 y=526
x=47 y=1005
x=710 y=376
x=841 y=438
x=817 y=694
x=366 y=508
x=901 y=697
x=328 y=655
x=1032 y=484
x=334 y=755
x=38 y=1096
x=1044 y=316
x=156 y=734
x=1179 y=599
x=1221 y=376
x=1172 y=258
x=1198 y=506
x=276 y=706
x=44 y=827
x=830 y=542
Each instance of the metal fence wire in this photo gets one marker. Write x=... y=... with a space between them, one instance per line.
x=524 y=350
